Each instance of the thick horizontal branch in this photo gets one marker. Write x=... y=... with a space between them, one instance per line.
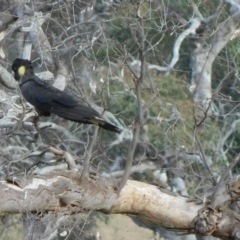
x=155 y=205
x=63 y=192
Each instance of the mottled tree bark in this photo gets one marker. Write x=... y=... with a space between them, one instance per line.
x=204 y=52
x=63 y=192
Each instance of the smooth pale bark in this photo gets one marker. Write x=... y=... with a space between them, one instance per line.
x=203 y=55
x=154 y=205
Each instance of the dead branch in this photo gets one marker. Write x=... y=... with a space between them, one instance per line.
x=62 y=191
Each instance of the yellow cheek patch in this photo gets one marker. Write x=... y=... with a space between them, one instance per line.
x=21 y=70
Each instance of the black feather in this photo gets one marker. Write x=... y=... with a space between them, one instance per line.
x=49 y=100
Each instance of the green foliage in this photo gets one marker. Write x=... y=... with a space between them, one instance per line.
x=104 y=218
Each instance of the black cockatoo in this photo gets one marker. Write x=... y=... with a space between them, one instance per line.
x=49 y=100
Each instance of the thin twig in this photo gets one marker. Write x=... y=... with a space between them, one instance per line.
x=223 y=177
x=196 y=10
x=20 y=121
x=89 y=154
x=138 y=120
x=198 y=124
x=204 y=159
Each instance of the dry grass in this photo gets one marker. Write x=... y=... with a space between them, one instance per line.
x=122 y=227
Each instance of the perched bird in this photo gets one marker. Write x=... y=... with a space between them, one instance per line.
x=49 y=100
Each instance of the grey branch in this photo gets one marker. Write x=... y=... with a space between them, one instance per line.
x=195 y=23
x=6 y=79
x=63 y=192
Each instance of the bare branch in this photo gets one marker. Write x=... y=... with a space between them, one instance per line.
x=88 y=154
x=195 y=23
x=27 y=49
x=222 y=179
x=205 y=159
x=63 y=192
x=139 y=118
x=196 y=10
x=138 y=168
x=223 y=139
x=7 y=79
x=62 y=75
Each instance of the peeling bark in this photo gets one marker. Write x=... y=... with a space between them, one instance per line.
x=63 y=192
